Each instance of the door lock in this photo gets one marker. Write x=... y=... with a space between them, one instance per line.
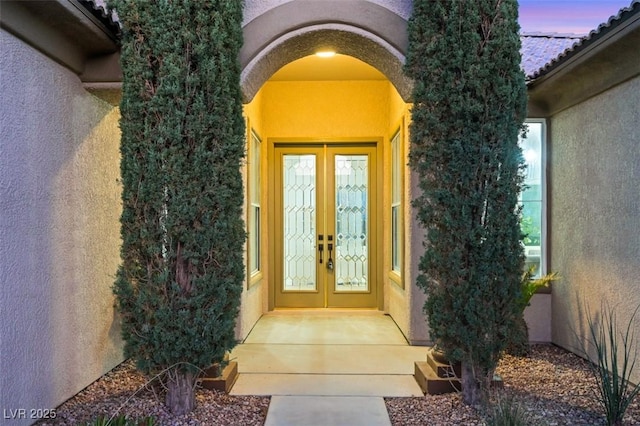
x=330 y=261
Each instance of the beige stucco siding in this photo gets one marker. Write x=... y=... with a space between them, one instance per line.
x=594 y=210
x=255 y=8
x=404 y=300
x=59 y=241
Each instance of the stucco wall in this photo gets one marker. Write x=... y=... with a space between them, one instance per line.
x=538 y=318
x=595 y=210
x=254 y=299
x=345 y=110
x=337 y=110
x=254 y=8
x=59 y=231
x=279 y=32
x=325 y=109
x=400 y=297
x=332 y=110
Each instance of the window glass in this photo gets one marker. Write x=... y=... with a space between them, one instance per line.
x=254 y=204
x=532 y=196
x=396 y=197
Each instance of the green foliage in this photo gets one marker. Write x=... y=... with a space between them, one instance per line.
x=531 y=285
x=507 y=411
x=531 y=232
x=615 y=390
x=122 y=421
x=519 y=340
x=179 y=285
x=469 y=107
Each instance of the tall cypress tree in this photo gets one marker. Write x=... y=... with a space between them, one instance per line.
x=469 y=106
x=179 y=285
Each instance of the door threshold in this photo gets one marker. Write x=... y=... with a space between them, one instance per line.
x=320 y=311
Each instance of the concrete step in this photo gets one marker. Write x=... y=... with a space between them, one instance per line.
x=327 y=359
x=326 y=385
x=327 y=410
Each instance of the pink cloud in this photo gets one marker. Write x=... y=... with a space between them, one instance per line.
x=567 y=16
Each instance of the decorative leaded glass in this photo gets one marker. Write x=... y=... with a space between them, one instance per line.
x=351 y=189
x=299 y=220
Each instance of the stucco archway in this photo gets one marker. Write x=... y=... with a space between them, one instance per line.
x=363 y=30
x=352 y=114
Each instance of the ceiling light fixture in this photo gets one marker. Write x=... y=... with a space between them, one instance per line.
x=325 y=53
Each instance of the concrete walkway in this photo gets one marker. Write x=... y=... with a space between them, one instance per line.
x=326 y=367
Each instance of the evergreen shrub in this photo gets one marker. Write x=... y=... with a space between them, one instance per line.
x=179 y=285
x=469 y=104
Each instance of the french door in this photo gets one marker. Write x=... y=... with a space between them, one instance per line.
x=325 y=226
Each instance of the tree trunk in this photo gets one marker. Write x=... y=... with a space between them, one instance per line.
x=472 y=387
x=180 y=392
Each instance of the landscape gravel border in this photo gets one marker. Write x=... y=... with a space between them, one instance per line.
x=125 y=391
x=554 y=386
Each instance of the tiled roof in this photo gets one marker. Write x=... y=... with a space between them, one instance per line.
x=538 y=49
x=624 y=15
x=541 y=52
x=98 y=8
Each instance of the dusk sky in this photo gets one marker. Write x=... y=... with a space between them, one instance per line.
x=567 y=16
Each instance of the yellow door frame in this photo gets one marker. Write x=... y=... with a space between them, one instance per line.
x=376 y=209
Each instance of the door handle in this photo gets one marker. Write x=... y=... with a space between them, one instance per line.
x=320 y=245
x=330 y=261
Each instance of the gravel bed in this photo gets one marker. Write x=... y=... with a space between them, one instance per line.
x=126 y=391
x=554 y=386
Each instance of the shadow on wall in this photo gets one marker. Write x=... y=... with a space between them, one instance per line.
x=86 y=242
x=59 y=227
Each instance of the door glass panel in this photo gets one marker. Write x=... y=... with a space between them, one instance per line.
x=351 y=253
x=299 y=220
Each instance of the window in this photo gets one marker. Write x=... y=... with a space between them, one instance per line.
x=396 y=205
x=254 y=205
x=533 y=223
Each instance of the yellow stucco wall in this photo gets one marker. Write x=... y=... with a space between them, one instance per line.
x=325 y=109
x=399 y=291
x=316 y=110
x=254 y=295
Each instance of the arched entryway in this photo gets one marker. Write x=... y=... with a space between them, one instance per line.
x=323 y=138
x=299 y=114
x=364 y=30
